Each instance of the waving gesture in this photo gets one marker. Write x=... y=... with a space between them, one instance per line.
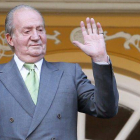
x=94 y=44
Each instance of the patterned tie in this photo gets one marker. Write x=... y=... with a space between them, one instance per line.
x=32 y=81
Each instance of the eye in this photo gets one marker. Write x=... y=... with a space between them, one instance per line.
x=40 y=30
x=27 y=32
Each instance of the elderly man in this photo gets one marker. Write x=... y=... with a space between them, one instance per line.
x=40 y=100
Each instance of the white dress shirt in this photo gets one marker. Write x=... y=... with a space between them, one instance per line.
x=24 y=71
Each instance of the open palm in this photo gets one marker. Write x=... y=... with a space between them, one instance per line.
x=94 y=44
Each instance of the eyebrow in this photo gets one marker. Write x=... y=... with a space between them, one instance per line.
x=29 y=27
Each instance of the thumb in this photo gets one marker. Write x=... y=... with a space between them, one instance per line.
x=78 y=44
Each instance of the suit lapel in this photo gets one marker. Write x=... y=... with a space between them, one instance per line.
x=49 y=81
x=12 y=80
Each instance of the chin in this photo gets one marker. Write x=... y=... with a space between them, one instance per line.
x=36 y=53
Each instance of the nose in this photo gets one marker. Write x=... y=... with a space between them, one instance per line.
x=35 y=36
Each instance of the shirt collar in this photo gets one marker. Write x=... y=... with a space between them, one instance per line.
x=39 y=64
x=21 y=63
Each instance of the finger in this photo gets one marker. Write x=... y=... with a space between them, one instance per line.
x=78 y=44
x=88 y=26
x=100 y=30
x=94 y=27
x=84 y=32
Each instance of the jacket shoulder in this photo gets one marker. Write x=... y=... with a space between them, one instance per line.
x=2 y=66
x=63 y=65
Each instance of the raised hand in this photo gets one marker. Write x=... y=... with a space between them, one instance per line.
x=94 y=44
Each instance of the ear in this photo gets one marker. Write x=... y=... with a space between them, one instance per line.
x=9 y=39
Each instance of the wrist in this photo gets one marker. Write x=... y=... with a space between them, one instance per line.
x=100 y=59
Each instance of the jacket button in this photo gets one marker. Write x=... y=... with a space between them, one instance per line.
x=11 y=120
x=53 y=139
x=59 y=116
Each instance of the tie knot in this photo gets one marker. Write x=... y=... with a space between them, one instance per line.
x=29 y=66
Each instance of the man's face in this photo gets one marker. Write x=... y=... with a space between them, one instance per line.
x=29 y=36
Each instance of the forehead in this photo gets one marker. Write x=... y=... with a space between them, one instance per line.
x=24 y=17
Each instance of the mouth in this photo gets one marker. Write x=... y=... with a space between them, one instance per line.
x=35 y=45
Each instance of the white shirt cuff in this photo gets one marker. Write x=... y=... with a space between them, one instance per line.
x=104 y=63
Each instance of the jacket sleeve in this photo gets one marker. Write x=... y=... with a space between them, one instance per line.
x=101 y=99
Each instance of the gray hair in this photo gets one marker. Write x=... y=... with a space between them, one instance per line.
x=9 y=27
